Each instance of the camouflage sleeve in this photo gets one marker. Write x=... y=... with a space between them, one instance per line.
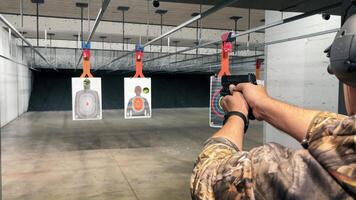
x=222 y=172
x=332 y=142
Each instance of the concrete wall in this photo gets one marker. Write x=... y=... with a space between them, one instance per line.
x=15 y=80
x=296 y=70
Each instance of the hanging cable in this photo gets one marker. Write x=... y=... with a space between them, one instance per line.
x=219 y=6
x=249 y=27
x=123 y=9
x=148 y=20
x=259 y=28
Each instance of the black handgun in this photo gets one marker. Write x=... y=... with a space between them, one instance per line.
x=226 y=81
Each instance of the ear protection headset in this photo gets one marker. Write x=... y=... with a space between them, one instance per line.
x=342 y=53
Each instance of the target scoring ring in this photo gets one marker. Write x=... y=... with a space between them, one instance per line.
x=216 y=104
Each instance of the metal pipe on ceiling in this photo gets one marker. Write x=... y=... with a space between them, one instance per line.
x=18 y=34
x=101 y=12
x=273 y=42
x=256 y=29
x=214 y=64
x=221 y=5
x=14 y=61
x=300 y=37
x=37 y=25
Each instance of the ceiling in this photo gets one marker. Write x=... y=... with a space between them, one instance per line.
x=280 y=5
x=138 y=13
x=118 y=38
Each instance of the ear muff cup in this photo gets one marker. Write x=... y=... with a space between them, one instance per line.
x=342 y=53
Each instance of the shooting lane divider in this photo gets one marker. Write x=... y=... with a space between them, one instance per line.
x=86 y=61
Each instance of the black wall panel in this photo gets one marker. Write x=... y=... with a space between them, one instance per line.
x=52 y=90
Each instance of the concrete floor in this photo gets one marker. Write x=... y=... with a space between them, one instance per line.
x=46 y=155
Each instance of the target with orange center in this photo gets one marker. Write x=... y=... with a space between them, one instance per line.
x=137 y=104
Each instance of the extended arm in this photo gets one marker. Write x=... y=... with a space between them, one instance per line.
x=291 y=119
x=233 y=130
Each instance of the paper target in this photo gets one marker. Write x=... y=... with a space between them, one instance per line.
x=137 y=98
x=216 y=116
x=86 y=98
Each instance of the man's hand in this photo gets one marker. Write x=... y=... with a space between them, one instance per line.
x=235 y=102
x=255 y=96
x=290 y=119
x=233 y=130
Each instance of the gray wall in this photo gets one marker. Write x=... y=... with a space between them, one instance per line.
x=52 y=90
x=296 y=70
x=15 y=80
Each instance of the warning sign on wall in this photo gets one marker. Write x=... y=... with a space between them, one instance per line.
x=138 y=98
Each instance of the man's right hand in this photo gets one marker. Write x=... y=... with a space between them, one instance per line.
x=291 y=119
x=255 y=96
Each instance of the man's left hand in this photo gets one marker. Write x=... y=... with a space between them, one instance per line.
x=235 y=102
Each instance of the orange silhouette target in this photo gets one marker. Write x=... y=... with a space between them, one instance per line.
x=138 y=104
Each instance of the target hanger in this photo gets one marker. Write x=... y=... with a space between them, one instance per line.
x=86 y=61
x=139 y=56
x=226 y=49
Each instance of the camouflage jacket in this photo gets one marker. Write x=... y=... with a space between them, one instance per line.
x=326 y=170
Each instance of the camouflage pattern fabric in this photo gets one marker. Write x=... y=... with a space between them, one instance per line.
x=332 y=141
x=325 y=171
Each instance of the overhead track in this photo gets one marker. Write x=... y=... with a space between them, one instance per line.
x=300 y=37
x=255 y=56
x=102 y=10
x=18 y=34
x=219 y=6
x=256 y=29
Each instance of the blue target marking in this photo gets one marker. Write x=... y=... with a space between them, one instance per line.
x=216 y=105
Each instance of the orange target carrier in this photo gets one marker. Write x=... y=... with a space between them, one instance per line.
x=226 y=49
x=86 y=61
x=139 y=56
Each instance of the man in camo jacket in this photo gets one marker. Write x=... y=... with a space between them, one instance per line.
x=324 y=169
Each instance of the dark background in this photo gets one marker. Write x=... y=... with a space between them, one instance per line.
x=52 y=90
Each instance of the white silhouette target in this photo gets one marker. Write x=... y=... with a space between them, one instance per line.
x=86 y=98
